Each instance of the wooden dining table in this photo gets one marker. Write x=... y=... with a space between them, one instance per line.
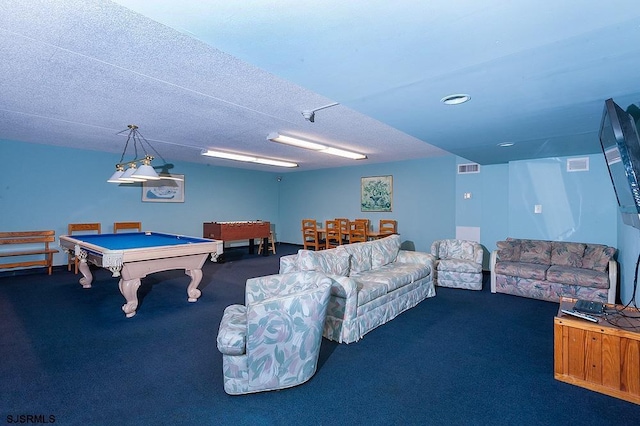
x=371 y=235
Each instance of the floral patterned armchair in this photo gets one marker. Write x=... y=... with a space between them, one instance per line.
x=273 y=341
x=458 y=264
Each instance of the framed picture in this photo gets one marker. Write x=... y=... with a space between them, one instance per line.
x=376 y=194
x=167 y=190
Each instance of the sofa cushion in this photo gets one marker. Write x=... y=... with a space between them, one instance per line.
x=578 y=276
x=334 y=262
x=509 y=251
x=360 y=256
x=535 y=251
x=533 y=271
x=369 y=290
x=458 y=265
x=394 y=275
x=567 y=254
x=597 y=256
x=384 y=251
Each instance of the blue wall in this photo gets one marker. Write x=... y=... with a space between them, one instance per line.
x=576 y=206
x=67 y=185
x=46 y=187
x=423 y=199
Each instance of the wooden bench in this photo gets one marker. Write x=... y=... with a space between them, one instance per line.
x=32 y=239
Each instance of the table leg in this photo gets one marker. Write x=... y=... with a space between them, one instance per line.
x=129 y=289
x=83 y=267
x=252 y=246
x=192 y=290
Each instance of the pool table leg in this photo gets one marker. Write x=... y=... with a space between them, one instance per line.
x=83 y=267
x=192 y=290
x=129 y=289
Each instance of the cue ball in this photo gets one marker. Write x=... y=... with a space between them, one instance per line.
x=147 y=233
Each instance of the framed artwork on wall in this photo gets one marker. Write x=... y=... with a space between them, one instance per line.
x=164 y=190
x=376 y=193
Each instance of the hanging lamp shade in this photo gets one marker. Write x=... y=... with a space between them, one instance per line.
x=116 y=177
x=134 y=173
x=145 y=171
x=128 y=174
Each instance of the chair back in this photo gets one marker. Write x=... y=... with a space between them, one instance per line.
x=83 y=227
x=310 y=237
x=118 y=226
x=458 y=249
x=333 y=234
x=279 y=354
x=344 y=228
x=80 y=227
x=357 y=232
x=367 y=223
x=388 y=227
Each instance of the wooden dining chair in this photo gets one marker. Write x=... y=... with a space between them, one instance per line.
x=311 y=236
x=357 y=232
x=344 y=229
x=388 y=227
x=367 y=226
x=118 y=226
x=84 y=228
x=333 y=234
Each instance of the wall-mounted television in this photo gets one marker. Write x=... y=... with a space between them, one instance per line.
x=621 y=147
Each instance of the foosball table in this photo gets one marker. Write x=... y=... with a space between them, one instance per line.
x=239 y=231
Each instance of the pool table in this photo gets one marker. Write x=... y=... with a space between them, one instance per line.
x=133 y=255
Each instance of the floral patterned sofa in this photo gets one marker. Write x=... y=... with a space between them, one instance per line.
x=372 y=283
x=273 y=341
x=547 y=270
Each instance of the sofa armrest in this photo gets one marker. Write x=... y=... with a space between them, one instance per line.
x=478 y=253
x=347 y=289
x=232 y=334
x=288 y=263
x=613 y=281
x=492 y=266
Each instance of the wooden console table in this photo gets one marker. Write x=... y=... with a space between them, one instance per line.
x=598 y=356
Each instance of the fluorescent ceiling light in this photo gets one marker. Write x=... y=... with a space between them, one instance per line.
x=301 y=143
x=246 y=158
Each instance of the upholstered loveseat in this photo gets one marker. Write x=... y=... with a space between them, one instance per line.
x=548 y=270
x=372 y=283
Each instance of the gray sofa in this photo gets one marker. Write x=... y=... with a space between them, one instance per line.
x=548 y=270
x=372 y=283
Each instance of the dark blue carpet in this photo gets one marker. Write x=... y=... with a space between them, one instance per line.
x=69 y=354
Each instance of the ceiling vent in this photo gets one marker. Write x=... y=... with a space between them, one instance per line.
x=464 y=169
x=578 y=164
x=612 y=155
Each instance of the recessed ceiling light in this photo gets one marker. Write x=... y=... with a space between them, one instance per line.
x=455 y=99
x=505 y=144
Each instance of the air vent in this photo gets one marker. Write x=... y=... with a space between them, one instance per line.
x=612 y=155
x=578 y=164
x=468 y=168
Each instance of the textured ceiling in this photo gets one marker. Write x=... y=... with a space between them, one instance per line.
x=224 y=74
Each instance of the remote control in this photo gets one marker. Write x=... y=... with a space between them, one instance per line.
x=580 y=315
